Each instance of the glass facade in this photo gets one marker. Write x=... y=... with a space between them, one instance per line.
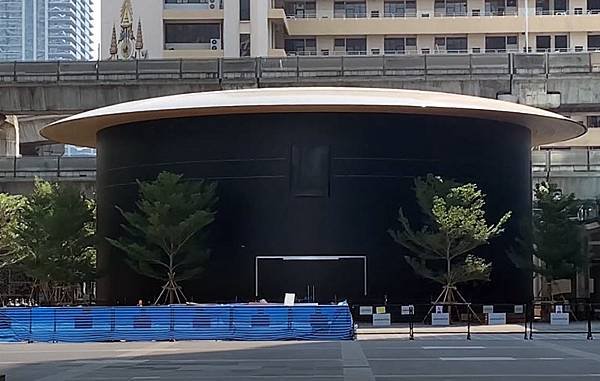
x=33 y=30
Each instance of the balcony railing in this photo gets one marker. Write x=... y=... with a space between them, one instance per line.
x=294 y=68
x=576 y=160
x=47 y=167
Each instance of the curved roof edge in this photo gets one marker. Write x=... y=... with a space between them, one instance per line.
x=81 y=129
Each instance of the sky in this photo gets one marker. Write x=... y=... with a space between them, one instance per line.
x=96 y=30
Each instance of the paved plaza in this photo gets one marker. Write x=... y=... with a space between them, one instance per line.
x=372 y=357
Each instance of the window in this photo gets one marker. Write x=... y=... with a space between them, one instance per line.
x=451 y=44
x=245 y=45
x=542 y=7
x=400 y=8
x=301 y=46
x=593 y=121
x=500 y=44
x=561 y=6
x=399 y=45
x=310 y=171
x=301 y=9
x=500 y=7
x=349 y=9
x=561 y=43
x=350 y=46
x=191 y=33
x=244 y=10
x=593 y=6
x=542 y=44
x=450 y=8
x=594 y=42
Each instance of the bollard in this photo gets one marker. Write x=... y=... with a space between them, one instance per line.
x=526 y=316
x=469 y=324
x=590 y=313
x=531 y=317
x=411 y=332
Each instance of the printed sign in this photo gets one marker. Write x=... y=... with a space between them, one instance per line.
x=439 y=309
x=519 y=308
x=440 y=318
x=559 y=318
x=496 y=318
x=408 y=310
x=382 y=320
x=380 y=310
x=366 y=310
x=289 y=299
x=558 y=309
x=488 y=309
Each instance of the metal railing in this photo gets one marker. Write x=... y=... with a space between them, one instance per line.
x=47 y=167
x=302 y=66
x=576 y=160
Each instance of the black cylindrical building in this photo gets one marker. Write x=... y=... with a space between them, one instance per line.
x=309 y=181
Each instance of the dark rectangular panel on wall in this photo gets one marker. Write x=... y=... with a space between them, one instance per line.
x=310 y=171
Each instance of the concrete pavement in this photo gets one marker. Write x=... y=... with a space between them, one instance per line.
x=429 y=357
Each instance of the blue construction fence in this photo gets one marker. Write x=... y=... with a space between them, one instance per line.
x=176 y=322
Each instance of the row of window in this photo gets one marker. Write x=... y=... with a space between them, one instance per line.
x=408 y=8
x=450 y=44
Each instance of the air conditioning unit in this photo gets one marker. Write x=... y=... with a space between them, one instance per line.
x=215 y=43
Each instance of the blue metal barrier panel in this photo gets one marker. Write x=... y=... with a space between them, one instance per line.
x=177 y=322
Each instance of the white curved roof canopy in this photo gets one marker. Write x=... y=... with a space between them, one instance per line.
x=546 y=127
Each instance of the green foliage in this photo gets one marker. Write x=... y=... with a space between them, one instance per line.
x=11 y=208
x=166 y=235
x=454 y=226
x=556 y=233
x=54 y=238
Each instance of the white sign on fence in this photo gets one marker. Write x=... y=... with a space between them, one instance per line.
x=496 y=318
x=488 y=309
x=439 y=309
x=442 y=318
x=382 y=320
x=408 y=310
x=289 y=299
x=559 y=318
x=519 y=308
x=558 y=309
x=366 y=310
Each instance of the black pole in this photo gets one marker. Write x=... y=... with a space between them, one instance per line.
x=526 y=315
x=468 y=322
x=590 y=313
x=411 y=332
x=531 y=317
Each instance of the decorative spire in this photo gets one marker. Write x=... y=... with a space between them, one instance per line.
x=113 y=42
x=126 y=14
x=139 y=39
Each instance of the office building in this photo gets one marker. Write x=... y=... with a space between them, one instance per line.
x=32 y=30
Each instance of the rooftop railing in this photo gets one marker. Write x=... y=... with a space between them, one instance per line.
x=559 y=160
x=47 y=167
x=218 y=69
x=565 y=160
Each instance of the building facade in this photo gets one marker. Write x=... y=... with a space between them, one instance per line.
x=233 y=28
x=32 y=30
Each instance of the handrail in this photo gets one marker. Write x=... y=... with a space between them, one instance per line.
x=542 y=161
x=48 y=167
x=218 y=69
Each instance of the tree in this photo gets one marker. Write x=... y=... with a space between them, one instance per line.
x=166 y=235
x=556 y=236
x=11 y=209
x=55 y=240
x=454 y=226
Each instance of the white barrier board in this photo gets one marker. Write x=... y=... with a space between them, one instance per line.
x=559 y=318
x=497 y=318
x=382 y=320
x=440 y=318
